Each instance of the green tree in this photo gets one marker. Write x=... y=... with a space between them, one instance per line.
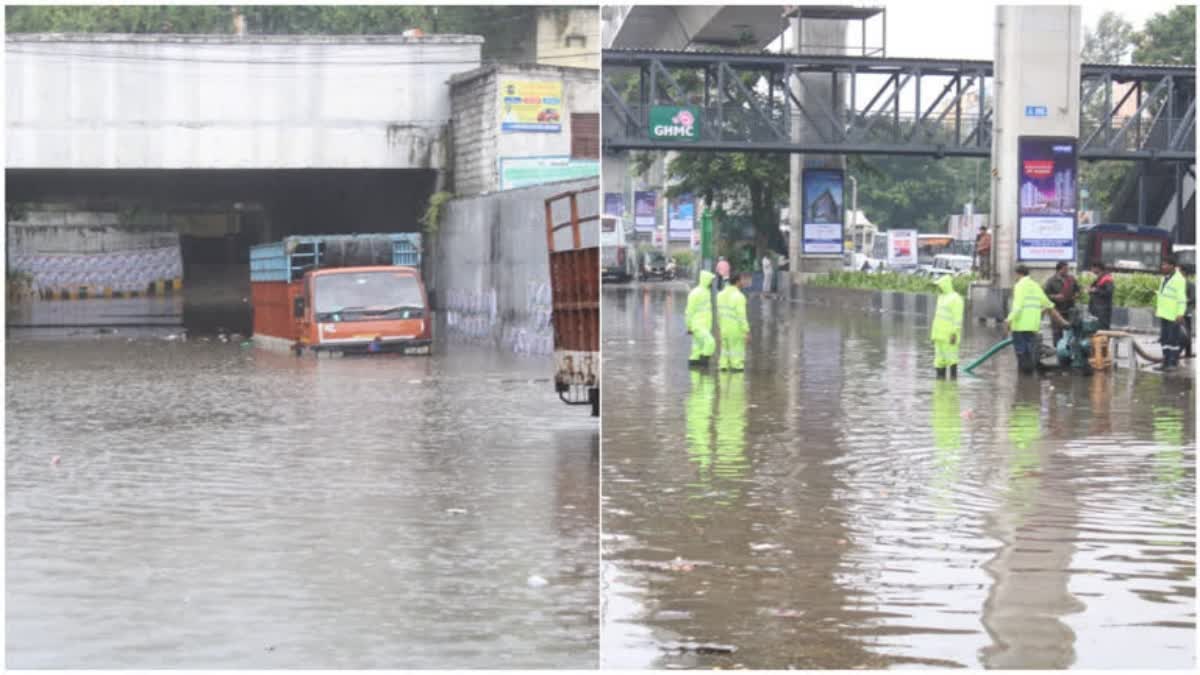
x=1110 y=42
x=919 y=192
x=753 y=184
x=508 y=31
x=1168 y=38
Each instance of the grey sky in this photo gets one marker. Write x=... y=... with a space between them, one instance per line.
x=964 y=30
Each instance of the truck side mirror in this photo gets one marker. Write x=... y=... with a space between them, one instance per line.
x=298 y=306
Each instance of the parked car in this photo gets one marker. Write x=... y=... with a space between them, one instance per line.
x=860 y=262
x=949 y=263
x=654 y=266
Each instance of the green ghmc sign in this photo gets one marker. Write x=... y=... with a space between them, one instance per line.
x=674 y=123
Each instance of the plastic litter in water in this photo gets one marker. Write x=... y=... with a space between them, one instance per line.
x=534 y=581
x=55 y=460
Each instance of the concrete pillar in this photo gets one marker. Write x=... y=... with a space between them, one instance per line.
x=825 y=37
x=1037 y=63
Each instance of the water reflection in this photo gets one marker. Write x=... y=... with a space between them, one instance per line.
x=216 y=506
x=838 y=508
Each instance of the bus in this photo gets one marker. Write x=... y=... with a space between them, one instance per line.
x=930 y=245
x=1123 y=248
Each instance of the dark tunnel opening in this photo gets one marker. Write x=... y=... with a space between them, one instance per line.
x=220 y=214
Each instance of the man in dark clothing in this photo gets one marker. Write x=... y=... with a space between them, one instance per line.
x=1062 y=290
x=1189 y=273
x=1100 y=301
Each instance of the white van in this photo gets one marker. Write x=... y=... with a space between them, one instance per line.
x=950 y=263
x=617 y=262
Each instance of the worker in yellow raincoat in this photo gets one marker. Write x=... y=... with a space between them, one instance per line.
x=946 y=331
x=698 y=317
x=735 y=329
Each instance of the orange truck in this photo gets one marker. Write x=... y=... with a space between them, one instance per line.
x=338 y=294
x=575 y=291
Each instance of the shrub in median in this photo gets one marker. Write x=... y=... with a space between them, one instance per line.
x=1132 y=290
x=888 y=281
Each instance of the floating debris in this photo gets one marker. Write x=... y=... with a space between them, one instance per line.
x=535 y=581
x=700 y=647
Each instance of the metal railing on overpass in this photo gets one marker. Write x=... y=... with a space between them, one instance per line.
x=866 y=105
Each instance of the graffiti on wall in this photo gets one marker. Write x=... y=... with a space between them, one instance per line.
x=122 y=271
x=474 y=316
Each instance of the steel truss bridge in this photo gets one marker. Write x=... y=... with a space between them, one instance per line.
x=867 y=105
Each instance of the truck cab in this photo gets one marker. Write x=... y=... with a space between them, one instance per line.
x=363 y=309
x=337 y=294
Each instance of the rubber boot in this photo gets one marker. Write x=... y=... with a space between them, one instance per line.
x=954 y=372
x=941 y=373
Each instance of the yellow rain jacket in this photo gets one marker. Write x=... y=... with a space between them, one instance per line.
x=1028 y=302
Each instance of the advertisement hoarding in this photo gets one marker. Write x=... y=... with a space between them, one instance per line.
x=823 y=222
x=901 y=248
x=1047 y=180
x=644 y=204
x=682 y=220
x=614 y=204
x=530 y=106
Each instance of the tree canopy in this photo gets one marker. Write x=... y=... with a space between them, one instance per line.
x=507 y=30
x=1168 y=38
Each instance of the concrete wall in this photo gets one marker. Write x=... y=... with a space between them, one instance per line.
x=57 y=230
x=569 y=36
x=227 y=102
x=479 y=143
x=474 y=131
x=491 y=267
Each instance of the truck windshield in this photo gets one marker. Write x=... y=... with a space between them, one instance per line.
x=356 y=296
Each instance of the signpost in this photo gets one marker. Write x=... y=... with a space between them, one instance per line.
x=674 y=123
x=1047 y=211
x=518 y=172
x=824 y=215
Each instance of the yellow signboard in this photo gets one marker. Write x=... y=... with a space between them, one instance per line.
x=530 y=106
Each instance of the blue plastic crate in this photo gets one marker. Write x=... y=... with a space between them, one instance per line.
x=287 y=260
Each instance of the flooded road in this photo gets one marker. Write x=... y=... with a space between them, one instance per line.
x=835 y=507
x=216 y=506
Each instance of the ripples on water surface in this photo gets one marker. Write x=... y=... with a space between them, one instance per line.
x=224 y=507
x=834 y=506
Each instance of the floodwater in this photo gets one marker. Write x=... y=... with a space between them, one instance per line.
x=835 y=507
x=217 y=506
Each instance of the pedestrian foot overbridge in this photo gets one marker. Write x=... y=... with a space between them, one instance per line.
x=872 y=105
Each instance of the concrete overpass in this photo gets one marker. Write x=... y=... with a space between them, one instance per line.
x=225 y=141
x=683 y=27
x=101 y=101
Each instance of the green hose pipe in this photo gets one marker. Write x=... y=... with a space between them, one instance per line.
x=988 y=354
